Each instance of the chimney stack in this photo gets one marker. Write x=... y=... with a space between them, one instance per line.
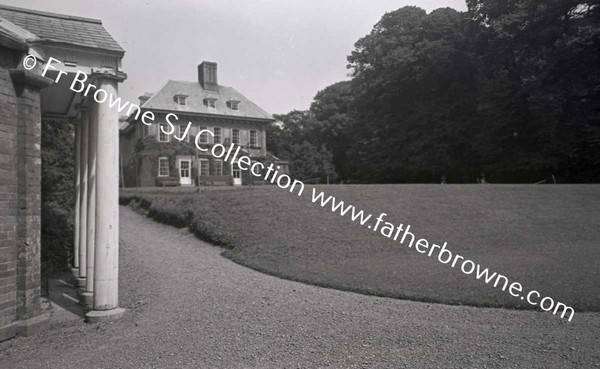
x=207 y=75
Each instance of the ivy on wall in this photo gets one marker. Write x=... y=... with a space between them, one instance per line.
x=151 y=149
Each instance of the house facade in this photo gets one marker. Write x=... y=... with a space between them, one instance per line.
x=189 y=115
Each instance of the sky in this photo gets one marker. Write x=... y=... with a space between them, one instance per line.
x=278 y=53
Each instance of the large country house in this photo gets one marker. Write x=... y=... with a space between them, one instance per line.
x=151 y=157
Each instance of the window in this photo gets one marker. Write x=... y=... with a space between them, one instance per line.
x=211 y=102
x=162 y=137
x=218 y=168
x=163 y=167
x=235 y=136
x=182 y=128
x=203 y=167
x=253 y=141
x=184 y=168
x=203 y=135
x=218 y=136
x=180 y=100
x=142 y=131
x=233 y=104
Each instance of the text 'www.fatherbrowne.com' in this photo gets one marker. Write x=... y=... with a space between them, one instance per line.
x=401 y=233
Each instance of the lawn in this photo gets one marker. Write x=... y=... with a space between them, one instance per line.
x=546 y=237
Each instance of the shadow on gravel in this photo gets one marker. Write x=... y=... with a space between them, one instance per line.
x=63 y=292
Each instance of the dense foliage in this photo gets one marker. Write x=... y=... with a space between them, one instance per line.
x=508 y=88
x=293 y=139
x=58 y=170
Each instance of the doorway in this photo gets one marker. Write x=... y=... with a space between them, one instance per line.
x=236 y=172
x=185 y=173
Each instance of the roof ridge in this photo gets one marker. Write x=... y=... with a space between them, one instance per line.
x=49 y=14
x=196 y=82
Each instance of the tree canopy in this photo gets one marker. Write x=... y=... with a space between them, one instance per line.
x=508 y=88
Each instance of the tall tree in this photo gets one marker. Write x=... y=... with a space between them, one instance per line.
x=539 y=85
x=414 y=81
x=333 y=108
x=509 y=88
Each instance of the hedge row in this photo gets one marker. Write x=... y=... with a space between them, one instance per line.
x=172 y=211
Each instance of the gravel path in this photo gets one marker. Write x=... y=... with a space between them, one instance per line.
x=188 y=307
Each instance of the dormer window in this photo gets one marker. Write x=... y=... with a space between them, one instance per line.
x=180 y=99
x=210 y=102
x=233 y=104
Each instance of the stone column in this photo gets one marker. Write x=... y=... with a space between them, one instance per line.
x=87 y=296
x=106 y=268
x=77 y=200
x=83 y=162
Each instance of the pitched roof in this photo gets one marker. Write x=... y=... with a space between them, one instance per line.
x=60 y=28
x=194 y=103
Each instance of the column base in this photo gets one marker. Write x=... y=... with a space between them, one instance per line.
x=103 y=316
x=80 y=282
x=86 y=299
x=75 y=272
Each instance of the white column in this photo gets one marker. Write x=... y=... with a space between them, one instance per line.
x=91 y=202
x=106 y=269
x=77 y=200
x=83 y=197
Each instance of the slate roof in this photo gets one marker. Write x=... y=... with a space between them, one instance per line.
x=194 y=103
x=61 y=28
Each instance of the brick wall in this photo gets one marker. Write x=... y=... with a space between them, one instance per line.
x=29 y=203
x=8 y=200
x=20 y=199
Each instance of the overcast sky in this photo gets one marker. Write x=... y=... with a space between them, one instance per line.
x=279 y=53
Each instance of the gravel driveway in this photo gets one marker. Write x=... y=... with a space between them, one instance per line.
x=188 y=307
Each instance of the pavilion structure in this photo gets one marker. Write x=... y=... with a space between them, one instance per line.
x=30 y=98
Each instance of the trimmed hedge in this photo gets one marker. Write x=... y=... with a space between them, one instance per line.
x=169 y=210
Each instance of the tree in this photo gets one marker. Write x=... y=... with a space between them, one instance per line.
x=538 y=81
x=333 y=108
x=295 y=137
x=509 y=88
x=415 y=107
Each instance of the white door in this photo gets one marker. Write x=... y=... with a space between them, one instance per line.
x=236 y=172
x=185 y=175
